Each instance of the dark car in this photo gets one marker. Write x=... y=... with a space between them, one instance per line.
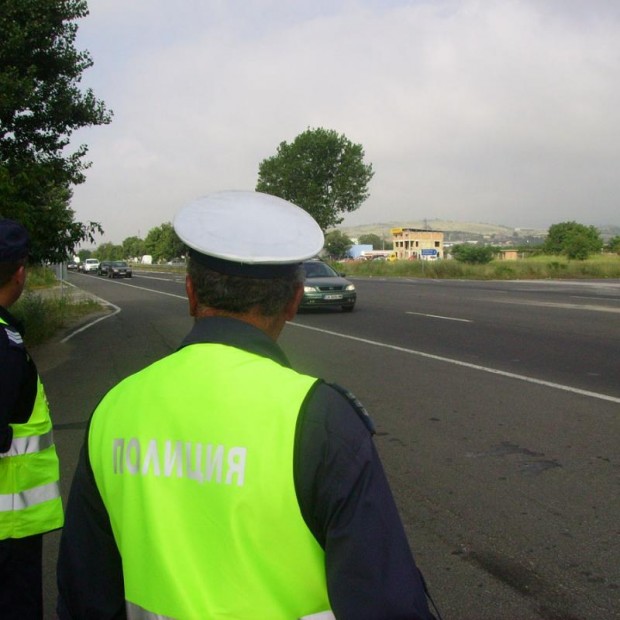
x=119 y=269
x=72 y=266
x=104 y=268
x=324 y=287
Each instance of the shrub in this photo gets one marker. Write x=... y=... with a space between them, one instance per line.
x=473 y=254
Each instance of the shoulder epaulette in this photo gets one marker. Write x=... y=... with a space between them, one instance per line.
x=14 y=337
x=357 y=406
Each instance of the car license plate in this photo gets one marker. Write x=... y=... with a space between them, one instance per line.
x=333 y=296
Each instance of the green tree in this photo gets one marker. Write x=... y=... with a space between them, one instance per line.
x=109 y=251
x=371 y=239
x=614 y=244
x=40 y=107
x=133 y=247
x=84 y=254
x=572 y=239
x=337 y=244
x=162 y=243
x=473 y=254
x=320 y=171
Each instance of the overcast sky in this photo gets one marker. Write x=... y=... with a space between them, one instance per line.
x=494 y=111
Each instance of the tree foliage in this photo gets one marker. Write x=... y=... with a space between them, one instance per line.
x=133 y=247
x=614 y=244
x=473 y=254
x=40 y=107
x=109 y=251
x=320 y=171
x=337 y=244
x=574 y=240
x=371 y=239
x=162 y=243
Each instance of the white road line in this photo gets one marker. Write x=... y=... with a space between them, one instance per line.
x=437 y=316
x=101 y=318
x=105 y=302
x=447 y=360
x=550 y=304
x=174 y=279
x=152 y=290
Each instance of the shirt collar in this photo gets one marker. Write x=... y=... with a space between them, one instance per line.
x=235 y=333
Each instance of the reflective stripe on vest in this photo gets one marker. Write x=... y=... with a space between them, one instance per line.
x=193 y=457
x=29 y=445
x=30 y=500
x=135 y=612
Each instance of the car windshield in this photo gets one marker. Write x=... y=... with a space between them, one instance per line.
x=319 y=270
x=120 y=263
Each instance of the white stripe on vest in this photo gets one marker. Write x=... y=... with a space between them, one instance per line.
x=31 y=497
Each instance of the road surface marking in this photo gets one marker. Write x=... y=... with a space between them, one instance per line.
x=448 y=360
x=437 y=316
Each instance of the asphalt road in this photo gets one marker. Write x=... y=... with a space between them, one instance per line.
x=497 y=406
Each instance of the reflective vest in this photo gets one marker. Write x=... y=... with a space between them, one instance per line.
x=30 y=500
x=193 y=458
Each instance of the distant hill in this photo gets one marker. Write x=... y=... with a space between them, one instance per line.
x=454 y=230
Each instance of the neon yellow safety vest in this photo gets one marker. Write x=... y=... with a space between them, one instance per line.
x=30 y=500
x=193 y=457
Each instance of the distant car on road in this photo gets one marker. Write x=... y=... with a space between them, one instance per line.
x=119 y=269
x=90 y=265
x=72 y=265
x=323 y=287
x=104 y=268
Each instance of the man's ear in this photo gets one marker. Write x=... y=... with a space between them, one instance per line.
x=191 y=296
x=20 y=275
x=291 y=308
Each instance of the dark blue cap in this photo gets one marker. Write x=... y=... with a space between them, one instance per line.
x=14 y=241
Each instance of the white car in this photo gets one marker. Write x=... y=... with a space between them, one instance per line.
x=90 y=265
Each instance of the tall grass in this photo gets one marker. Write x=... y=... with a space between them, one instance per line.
x=536 y=268
x=44 y=315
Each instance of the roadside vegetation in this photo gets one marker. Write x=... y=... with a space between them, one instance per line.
x=43 y=312
x=533 y=268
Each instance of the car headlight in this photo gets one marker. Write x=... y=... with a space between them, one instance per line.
x=311 y=289
x=350 y=287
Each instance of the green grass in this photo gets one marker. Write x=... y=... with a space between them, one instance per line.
x=535 y=268
x=45 y=315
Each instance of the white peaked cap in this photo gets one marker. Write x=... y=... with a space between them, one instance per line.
x=249 y=228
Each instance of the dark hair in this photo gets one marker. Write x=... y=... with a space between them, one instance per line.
x=240 y=294
x=8 y=269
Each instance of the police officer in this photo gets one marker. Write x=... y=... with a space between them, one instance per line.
x=220 y=483
x=30 y=503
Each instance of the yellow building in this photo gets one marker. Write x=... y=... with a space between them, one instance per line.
x=508 y=255
x=414 y=244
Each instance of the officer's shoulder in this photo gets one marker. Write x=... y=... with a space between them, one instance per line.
x=355 y=404
x=11 y=337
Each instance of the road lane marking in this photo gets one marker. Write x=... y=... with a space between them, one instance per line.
x=448 y=360
x=437 y=316
x=439 y=358
x=152 y=290
x=101 y=318
x=105 y=302
x=176 y=278
x=551 y=304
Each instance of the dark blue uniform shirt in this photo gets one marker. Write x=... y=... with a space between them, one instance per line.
x=342 y=491
x=18 y=378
